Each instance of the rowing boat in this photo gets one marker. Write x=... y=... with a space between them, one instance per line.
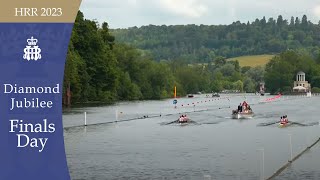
x=183 y=120
x=282 y=124
x=242 y=115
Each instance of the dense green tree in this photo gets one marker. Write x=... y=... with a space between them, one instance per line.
x=227 y=69
x=281 y=71
x=315 y=81
x=249 y=85
x=106 y=65
x=244 y=69
x=238 y=85
x=280 y=21
x=292 y=21
x=203 y=43
x=318 y=59
x=256 y=74
x=297 y=21
x=304 y=21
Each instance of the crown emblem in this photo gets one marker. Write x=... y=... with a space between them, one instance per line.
x=32 y=51
x=32 y=41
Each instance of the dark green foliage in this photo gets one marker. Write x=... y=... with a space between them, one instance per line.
x=315 y=90
x=203 y=43
x=101 y=69
x=281 y=71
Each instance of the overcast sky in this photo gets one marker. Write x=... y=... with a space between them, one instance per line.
x=129 y=13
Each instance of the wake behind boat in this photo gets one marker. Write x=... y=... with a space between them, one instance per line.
x=244 y=111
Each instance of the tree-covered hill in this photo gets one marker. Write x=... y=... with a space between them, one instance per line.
x=101 y=69
x=203 y=43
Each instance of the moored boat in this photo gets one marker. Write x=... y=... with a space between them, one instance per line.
x=190 y=96
x=215 y=95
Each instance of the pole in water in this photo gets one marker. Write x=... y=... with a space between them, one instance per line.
x=290 y=143
x=117 y=114
x=262 y=174
x=85 y=118
x=263 y=164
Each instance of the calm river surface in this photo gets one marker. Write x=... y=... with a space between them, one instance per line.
x=218 y=147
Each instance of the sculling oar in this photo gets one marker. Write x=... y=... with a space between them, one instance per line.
x=301 y=124
x=289 y=122
x=313 y=124
x=172 y=122
x=194 y=122
x=268 y=124
x=212 y=122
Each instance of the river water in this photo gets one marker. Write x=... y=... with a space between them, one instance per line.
x=217 y=147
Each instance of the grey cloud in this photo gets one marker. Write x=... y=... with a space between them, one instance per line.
x=128 y=13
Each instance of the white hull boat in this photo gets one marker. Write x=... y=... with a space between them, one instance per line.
x=242 y=115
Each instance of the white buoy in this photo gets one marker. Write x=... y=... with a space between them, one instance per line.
x=85 y=118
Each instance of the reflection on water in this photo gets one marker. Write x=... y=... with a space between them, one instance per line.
x=217 y=147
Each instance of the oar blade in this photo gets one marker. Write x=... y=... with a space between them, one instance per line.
x=171 y=122
x=300 y=124
x=313 y=124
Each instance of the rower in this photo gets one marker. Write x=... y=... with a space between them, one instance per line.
x=286 y=119
x=245 y=104
x=239 y=108
x=185 y=118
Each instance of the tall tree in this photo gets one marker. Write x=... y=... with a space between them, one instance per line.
x=297 y=22
x=304 y=21
x=280 y=20
x=292 y=21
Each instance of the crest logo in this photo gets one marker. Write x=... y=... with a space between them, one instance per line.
x=32 y=51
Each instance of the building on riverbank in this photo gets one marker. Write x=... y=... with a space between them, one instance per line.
x=301 y=85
